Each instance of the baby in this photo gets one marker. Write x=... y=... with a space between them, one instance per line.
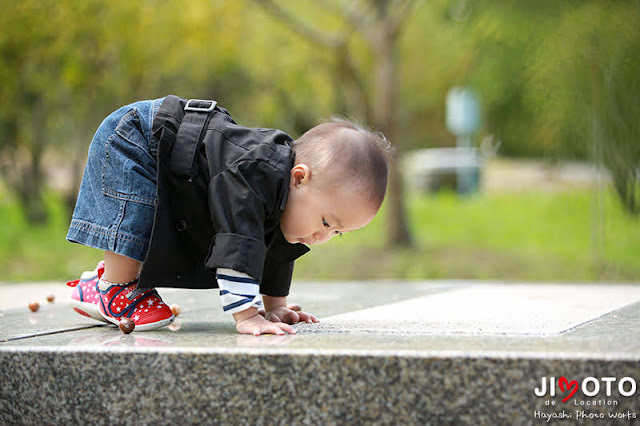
x=178 y=195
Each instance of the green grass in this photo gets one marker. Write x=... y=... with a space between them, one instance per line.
x=40 y=252
x=525 y=236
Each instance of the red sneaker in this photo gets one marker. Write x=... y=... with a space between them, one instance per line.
x=85 y=297
x=143 y=305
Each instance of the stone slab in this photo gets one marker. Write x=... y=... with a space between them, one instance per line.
x=200 y=370
x=324 y=300
x=19 y=295
x=486 y=309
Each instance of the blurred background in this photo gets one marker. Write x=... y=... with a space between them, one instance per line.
x=516 y=123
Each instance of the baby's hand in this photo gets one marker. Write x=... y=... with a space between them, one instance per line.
x=250 y=322
x=291 y=314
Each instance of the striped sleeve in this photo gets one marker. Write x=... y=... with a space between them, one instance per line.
x=238 y=291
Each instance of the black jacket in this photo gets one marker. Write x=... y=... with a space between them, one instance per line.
x=221 y=192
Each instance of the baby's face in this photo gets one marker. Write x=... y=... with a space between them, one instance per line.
x=313 y=215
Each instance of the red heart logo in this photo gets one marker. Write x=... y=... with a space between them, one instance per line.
x=571 y=386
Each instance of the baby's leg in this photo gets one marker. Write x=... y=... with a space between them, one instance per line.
x=120 y=269
x=121 y=297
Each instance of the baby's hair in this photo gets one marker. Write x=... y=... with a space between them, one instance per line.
x=342 y=149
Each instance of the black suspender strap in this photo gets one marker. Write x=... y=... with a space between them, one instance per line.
x=190 y=133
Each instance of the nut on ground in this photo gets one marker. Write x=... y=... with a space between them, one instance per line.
x=127 y=325
x=175 y=309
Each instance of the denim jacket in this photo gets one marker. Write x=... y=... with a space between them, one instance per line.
x=222 y=189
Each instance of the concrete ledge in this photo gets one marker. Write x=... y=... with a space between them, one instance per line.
x=248 y=387
x=201 y=371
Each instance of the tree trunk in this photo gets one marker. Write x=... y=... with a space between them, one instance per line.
x=77 y=157
x=384 y=120
x=30 y=196
x=31 y=182
x=381 y=35
x=627 y=189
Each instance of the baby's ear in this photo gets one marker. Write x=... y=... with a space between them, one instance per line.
x=300 y=174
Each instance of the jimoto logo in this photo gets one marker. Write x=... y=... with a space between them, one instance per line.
x=589 y=387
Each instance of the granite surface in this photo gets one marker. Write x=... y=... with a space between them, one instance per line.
x=57 y=367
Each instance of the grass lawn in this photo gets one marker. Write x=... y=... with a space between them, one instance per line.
x=524 y=236
x=35 y=253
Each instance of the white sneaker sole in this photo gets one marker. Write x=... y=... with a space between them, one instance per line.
x=90 y=309
x=142 y=327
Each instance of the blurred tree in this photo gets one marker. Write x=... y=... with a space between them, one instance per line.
x=30 y=71
x=66 y=64
x=585 y=82
x=379 y=24
x=558 y=79
x=500 y=38
x=130 y=51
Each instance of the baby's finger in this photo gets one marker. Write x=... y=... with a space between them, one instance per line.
x=307 y=317
x=294 y=307
x=272 y=317
x=268 y=329
x=286 y=327
x=304 y=316
x=291 y=317
x=273 y=329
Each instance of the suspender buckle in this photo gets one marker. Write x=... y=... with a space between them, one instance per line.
x=200 y=105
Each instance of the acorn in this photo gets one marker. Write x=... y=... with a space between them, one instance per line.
x=51 y=298
x=175 y=309
x=127 y=325
x=34 y=306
